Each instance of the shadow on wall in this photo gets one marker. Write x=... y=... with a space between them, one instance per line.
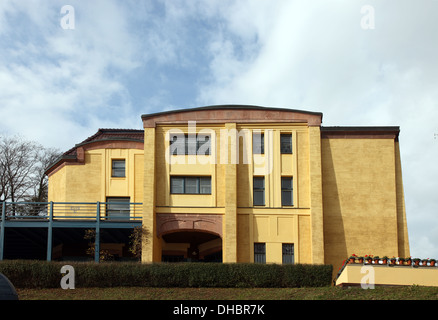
x=335 y=247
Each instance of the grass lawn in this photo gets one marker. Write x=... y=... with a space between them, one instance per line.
x=142 y=293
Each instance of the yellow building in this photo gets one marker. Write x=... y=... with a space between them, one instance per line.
x=247 y=184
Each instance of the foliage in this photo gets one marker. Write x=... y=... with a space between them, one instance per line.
x=104 y=255
x=138 y=236
x=43 y=274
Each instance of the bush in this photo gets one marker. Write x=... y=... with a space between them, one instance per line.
x=42 y=274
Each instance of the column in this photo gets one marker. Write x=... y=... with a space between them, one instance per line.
x=316 y=207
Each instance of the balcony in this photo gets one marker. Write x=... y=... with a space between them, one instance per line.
x=46 y=217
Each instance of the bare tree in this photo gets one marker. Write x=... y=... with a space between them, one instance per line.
x=22 y=166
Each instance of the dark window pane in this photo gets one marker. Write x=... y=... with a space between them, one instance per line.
x=203 y=145
x=258 y=143
x=286 y=191
x=191 y=185
x=288 y=253
x=176 y=185
x=190 y=144
x=205 y=185
x=259 y=252
x=286 y=143
x=118 y=168
x=259 y=191
x=118 y=208
x=177 y=144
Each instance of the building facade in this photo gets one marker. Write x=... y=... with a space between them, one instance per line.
x=246 y=184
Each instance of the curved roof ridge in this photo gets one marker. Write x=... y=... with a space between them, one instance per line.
x=229 y=106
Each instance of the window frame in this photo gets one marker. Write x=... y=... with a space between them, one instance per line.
x=116 y=169
x=282 y=150
x=262 y=190
x=119 y=203
x=188 y=144
x=258 y=146
x=288 y=258
x=289 y=190
x=198 y=180
x=260 y=252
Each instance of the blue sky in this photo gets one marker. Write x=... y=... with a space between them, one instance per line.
x=127 y=58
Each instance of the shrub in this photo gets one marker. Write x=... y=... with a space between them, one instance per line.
x=42 y=274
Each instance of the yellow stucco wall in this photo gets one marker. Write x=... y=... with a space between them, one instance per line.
x=232 y=190
x=362 y=199
x=91 y=181
x=357 y=274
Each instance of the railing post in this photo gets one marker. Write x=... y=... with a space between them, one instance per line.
x=97 y=238
x=50 y=233
x=2 y=234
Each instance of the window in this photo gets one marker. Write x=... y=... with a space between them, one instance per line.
x=118 y=168
x=286 y=143
x=190 y=144
x=259 y=191
x=258 y=143
x=118 y=207
x=259 y=252
x=286 y=191
x=190 y=185
x=288 y=253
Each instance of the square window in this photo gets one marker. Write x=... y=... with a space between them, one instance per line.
x=118 y=207
x=118 y=168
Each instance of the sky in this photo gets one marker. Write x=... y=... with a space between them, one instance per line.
x=70 y=68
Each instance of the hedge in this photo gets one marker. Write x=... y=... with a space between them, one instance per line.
x=43 y=274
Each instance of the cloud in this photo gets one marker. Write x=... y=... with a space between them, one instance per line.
x=128 y=58
x=318 y=57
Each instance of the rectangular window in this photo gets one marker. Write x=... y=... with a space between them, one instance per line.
x=259 y=252
x=259 y=191
x=176 y=184
x=205 y=185
x=288 y=253
x=258 y=143
x=185 y=144
x=118 y=207
x=190 y=185
x=118 y=168
x=286 y=143
x=286 y=191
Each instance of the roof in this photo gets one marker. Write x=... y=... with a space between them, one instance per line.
x=229 y=107
x=378 y=132
x=102 y=135
x=232 y=113
x=110 y=135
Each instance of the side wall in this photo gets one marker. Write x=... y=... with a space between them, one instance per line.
x=91 y=180
x=363 y=199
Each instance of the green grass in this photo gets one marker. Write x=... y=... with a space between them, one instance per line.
x=142 y=293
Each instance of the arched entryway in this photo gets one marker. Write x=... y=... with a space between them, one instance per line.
x=190 y=237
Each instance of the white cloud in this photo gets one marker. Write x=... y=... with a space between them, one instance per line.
x=128 y=58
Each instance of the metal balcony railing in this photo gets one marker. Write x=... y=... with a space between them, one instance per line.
x=111 y=211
